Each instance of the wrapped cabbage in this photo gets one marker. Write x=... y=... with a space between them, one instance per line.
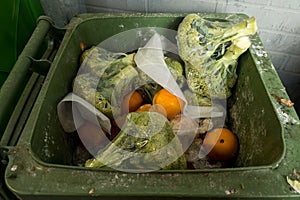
x=146 y=142
x=210 y=50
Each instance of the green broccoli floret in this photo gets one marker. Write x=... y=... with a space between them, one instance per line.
x=146 y=142
x=210 y=50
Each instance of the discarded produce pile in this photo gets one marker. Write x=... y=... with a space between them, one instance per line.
x=150 y=129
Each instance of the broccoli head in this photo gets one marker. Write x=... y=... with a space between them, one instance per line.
x=210 y=50
x=146 y=142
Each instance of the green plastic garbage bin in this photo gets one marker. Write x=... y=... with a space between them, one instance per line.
x=18 y=20
x=20 y=90
x=41 y=163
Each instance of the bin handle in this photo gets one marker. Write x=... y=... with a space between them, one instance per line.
x=19 y=73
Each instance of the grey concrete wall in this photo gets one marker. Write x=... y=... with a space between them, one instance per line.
x=278 y=20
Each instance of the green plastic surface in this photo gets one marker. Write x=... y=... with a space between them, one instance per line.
x=11 y=90
x=40 y=164
x=18 y=20
x=17 y=96
x=3 y=76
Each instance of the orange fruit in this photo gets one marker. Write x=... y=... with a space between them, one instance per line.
x=159 y=109
x=145 y=107
x=131 y=102
x=221 y=144
x=152 y=108
x=171 y=103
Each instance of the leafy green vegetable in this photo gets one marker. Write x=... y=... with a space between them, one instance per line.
x=146 y=142
x=210 y=50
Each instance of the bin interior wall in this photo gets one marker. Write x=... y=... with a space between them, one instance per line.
x=251 y=114
x=253 y=118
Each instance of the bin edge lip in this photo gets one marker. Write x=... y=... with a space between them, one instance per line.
x=83 y=17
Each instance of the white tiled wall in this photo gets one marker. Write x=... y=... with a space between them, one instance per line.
x=278 y=20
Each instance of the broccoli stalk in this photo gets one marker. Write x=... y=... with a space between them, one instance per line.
x=210 y=50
